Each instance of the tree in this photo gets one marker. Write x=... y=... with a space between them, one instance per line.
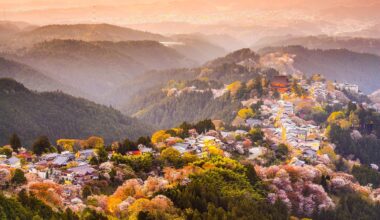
x=256 y=134
x=94 y=142
x=160 y=136
x=127 y=145
x=204 y=126
x=258 y=85
x=245 y=113
x=172 y=157
x=276 y=94
x=41 y=145
x=146 y=141
x=102 y=155
x=15 y=142
x=282 y=151
x=6 y=150
x=86 y=191
x=19 y=177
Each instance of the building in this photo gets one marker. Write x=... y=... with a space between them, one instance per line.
x=348 y=87
x=13 y=162
x=280 y=83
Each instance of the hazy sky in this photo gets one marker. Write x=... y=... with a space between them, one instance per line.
x=259 y=12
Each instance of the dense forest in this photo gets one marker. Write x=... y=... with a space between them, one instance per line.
x=57 y=115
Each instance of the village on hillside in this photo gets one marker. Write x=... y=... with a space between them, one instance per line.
x=272 y=130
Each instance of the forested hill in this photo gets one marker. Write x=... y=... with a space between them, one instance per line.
x=356 y=44
x=98 y=67
x=86 y=32
x=339 y=64
x=32 y=78
x=203 y=96
x=57 y=115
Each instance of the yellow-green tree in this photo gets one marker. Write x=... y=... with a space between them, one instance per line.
x=245 y=113
x=160 y=136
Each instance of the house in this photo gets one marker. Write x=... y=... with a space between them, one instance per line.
x=143 y=149
x=280 y=83
x=182 y=147
x=256 y=152
x=25 y=155
x=63 y=159
x=374 y=166
x=309 y=153
x=81 y=170
x=13 y=162
x=85 y=154
x=251 y=122
x=313 y=144
x=297 y=162
x=49 y=157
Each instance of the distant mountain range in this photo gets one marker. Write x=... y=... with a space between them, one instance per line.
x=197 y=48
x=85 y=32
x=360 y=45
x=341 y=65
x=57 y=115
x=97 y=67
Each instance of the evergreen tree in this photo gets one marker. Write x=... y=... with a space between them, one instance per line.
x=19 y=177
x=41 y=145
x=15 y=142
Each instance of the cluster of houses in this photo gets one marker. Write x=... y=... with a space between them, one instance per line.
x=298 y=134
x=352 y=88
x=63 y=167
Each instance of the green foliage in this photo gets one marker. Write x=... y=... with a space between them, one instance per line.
x=204 y=126
x=223 y=194
x=15 y=142
x=221 y=162
x=351 y=207
x=26 y=207
x=6 y=150
x=101 y=157
x=90 y=214
x=30 y=114
x=282 y=151
x=256 y=134
x=366 y=175
x=10 y=208
x=142 y=162
x=41 y=145
x=146 y=141
x=18 y=178
x=126 y=146
x=366 y=148
x=163 y=111
x=171 y=157
x=86 y=191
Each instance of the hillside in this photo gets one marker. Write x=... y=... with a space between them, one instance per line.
x=197 y=48
x=57 y=115
x=98 y=67
x=167 y=111
x=360 y=45
x=341 y=65
x=167 y=103
x=85 y=32
x=32 y=78
x=146 y=82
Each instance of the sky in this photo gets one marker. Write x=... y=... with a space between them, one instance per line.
x=193 y=11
